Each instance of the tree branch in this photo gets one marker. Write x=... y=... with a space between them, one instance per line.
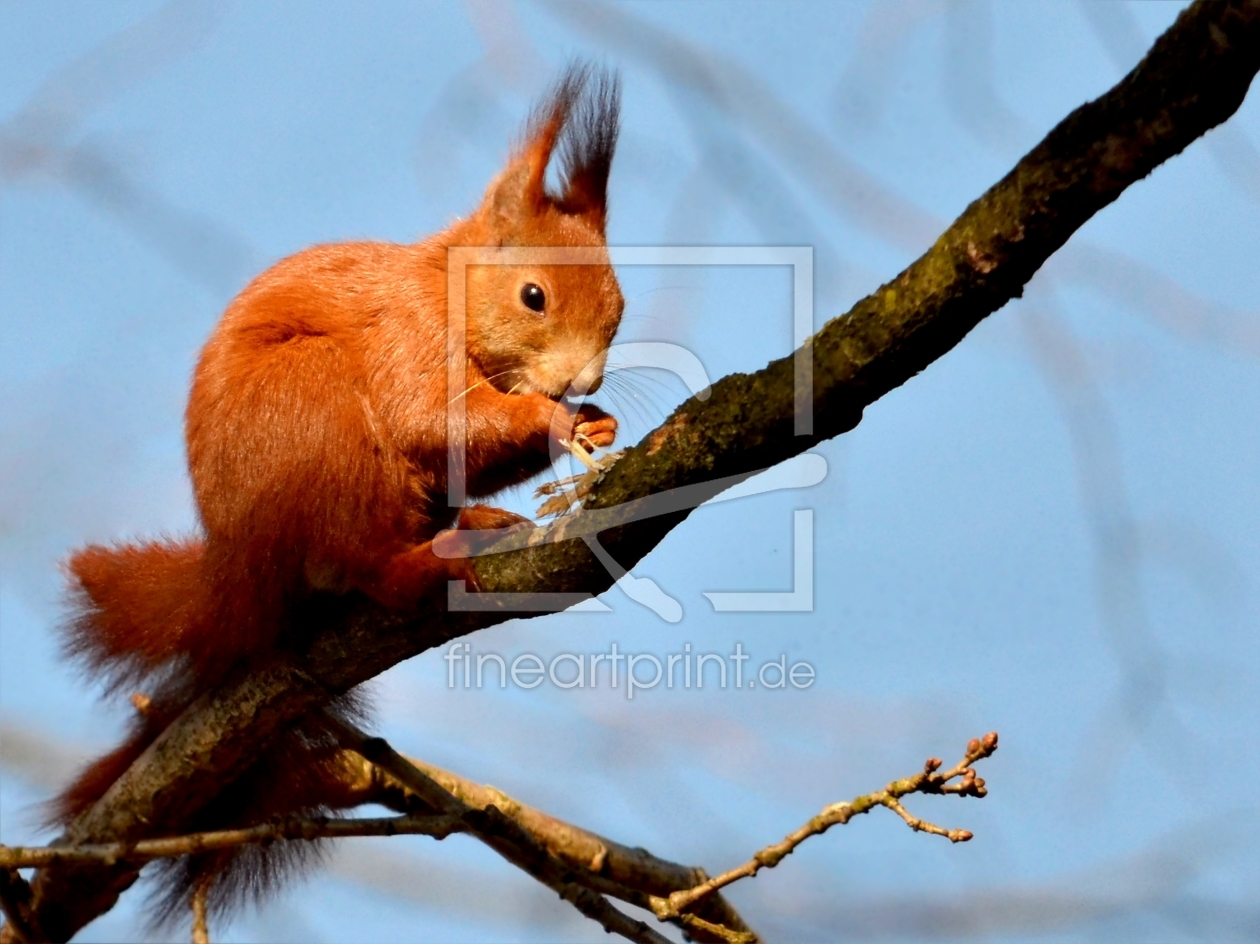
x=289 y=828
x=1194 y=77
x=633 y=875
x=502 y=834
x=15 y=903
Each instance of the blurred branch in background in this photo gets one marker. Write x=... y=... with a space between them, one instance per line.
x=470 y=115
x=46 y=141
x=721 y=91
x=967 y=79
x=78 y=412
x=814 y=160
x=861 y=94
x=1142 y=702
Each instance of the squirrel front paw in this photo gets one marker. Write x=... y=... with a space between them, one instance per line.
x=588 y=425
x=594 y=429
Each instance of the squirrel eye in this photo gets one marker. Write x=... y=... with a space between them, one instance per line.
x=532 y=297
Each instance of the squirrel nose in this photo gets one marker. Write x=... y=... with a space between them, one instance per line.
x=591 y=377
x=587 y=382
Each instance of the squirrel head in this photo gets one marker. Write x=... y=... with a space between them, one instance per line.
x=546 y=328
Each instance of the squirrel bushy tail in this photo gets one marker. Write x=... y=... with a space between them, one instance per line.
x=132 y=607
x=135 y=607
x=140 y=614
x=149 y=615
x=185 y=609
x=302 y=772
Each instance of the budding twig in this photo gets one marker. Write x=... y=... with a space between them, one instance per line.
x=699 y=929
x=930 y=780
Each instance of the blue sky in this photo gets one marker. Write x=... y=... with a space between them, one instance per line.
x=1051 y=532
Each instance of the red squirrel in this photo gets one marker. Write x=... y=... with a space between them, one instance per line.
x=317 y=446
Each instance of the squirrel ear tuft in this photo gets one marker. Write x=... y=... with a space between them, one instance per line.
x=588 y=140
x=580 y=117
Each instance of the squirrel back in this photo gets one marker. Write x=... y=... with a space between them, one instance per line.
x=316 y=432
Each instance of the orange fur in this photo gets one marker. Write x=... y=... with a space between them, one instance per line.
x=316 y=435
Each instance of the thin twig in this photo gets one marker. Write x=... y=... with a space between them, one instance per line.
x=699 y=930
x=294 y=827
x=200 y=924
x=929 y=780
